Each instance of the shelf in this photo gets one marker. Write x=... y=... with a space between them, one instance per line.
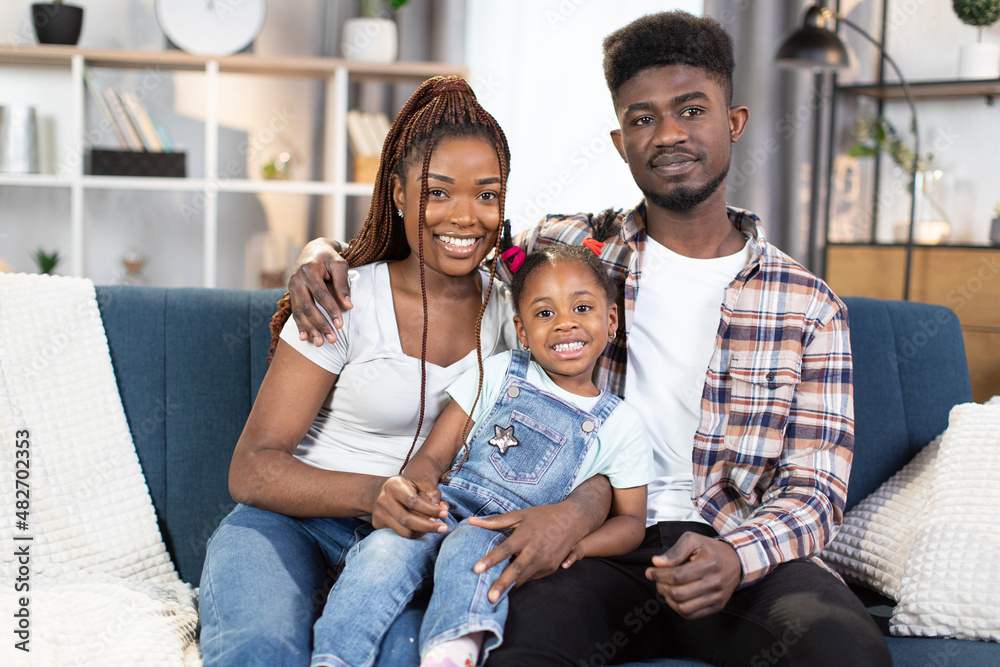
x=143 y=183
x=61 y=56
x=36 y=180
x=988 y=88
x=945 y=246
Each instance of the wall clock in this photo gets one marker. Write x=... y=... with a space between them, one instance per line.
x=211 y=27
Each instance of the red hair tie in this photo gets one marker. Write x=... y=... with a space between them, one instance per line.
x=514 y=257
x=594 y=245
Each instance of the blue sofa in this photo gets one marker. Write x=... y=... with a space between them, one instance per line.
x=189 y=362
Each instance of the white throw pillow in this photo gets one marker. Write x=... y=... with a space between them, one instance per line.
x=875 y=540
x=952 y=576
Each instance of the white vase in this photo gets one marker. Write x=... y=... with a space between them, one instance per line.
x=369 y=40
x=979 y=61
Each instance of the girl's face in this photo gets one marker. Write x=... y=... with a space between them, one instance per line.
x=463 y=205
x=565 y=319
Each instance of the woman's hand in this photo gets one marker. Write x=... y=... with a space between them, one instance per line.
x=318 y=264
x=411 y=507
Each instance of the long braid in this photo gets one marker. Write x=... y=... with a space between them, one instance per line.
x=423 y=296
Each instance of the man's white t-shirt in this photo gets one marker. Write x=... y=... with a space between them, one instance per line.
x=621 y=452
x=670 y=343
x=367 y=423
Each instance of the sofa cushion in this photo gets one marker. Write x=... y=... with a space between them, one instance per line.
x=952 y=577
x=188 y=363
x=909 y=370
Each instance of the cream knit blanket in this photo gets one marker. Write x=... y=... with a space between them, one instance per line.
x=84 y=574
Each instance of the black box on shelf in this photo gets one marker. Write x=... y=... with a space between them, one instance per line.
x=104 y=162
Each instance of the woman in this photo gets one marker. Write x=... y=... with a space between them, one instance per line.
x=332 y=426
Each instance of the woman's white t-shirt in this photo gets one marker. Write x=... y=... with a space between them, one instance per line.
x=367 y=423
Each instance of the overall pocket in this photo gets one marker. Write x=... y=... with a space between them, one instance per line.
x=538 y=445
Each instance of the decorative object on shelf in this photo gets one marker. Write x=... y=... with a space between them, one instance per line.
x=995 y=227
x=366 y=133
x=814 y=46
x=56 y=22
x=46 y=261
x=133 y=262
x=371 y=38
x=211 y=27
x=18 y=139
x=267 y=255
x=878 y=135
x=978 y=60
x=107 y=162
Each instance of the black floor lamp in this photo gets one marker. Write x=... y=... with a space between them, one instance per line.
x=815 y=47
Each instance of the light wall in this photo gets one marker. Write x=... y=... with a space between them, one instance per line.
x=536 y=66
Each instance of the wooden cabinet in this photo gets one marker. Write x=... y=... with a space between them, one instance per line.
x=213 y=179
x=964 y=278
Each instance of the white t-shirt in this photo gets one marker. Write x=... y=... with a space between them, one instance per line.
x=669 y=346
x=621 y=452
x=367 y=423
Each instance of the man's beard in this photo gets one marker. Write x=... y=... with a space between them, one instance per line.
x=684 y=198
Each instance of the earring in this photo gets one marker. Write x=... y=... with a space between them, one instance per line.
x=399 y=212
x=612 y=336
x=523 y=346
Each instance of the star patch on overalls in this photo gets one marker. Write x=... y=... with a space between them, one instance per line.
x=504 y=438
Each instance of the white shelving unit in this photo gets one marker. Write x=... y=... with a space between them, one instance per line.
x=337 y=72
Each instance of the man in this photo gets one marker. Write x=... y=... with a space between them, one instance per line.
x=739 y=361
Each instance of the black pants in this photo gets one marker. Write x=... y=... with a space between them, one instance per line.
x=603 y=611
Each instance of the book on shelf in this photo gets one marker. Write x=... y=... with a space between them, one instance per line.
x=366 y=132
x=141 y=121
x=104 y=110
x=122 y=119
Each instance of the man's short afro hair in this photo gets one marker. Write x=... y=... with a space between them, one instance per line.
x=669 y=38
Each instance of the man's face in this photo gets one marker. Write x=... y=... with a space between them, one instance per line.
x=676 y=134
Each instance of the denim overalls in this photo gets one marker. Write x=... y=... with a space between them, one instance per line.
x=526 y=451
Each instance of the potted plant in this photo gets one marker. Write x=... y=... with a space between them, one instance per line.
x=46 y=261
x=978 y=60
x=56 y=22
x=878 y=135
x=372 y=37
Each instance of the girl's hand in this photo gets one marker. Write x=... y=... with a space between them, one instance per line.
x=408 y=509
x=575 y=554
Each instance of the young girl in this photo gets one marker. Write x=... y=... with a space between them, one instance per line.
x=540 y=428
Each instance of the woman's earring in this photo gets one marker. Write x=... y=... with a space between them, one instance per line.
x=524 y=346
x=399 y=212
x=612 y=336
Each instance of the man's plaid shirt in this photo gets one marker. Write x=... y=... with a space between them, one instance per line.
x=772 y=454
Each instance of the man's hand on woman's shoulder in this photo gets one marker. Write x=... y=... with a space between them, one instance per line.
x=320 y=276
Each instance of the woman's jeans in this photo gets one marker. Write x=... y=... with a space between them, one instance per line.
x=264 y=584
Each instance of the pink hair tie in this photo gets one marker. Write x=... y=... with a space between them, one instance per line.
x=514 y=257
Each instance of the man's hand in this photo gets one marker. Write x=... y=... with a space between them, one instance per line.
x=542 y=539
x=410 y=507
x=697 y=575
x=318 y=264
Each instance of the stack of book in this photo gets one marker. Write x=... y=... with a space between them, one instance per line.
x=144 y=146
x=366 y=132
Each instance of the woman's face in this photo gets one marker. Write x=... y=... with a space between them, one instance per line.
x=463 y=204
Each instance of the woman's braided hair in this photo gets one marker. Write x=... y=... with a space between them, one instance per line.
x=440 y=108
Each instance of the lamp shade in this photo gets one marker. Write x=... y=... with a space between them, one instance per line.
x=812 y=45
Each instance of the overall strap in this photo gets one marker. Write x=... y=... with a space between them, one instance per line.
x=518 y=366
x=605 y=405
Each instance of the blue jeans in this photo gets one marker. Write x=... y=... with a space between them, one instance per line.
x=545 y=442
x=264 y=585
